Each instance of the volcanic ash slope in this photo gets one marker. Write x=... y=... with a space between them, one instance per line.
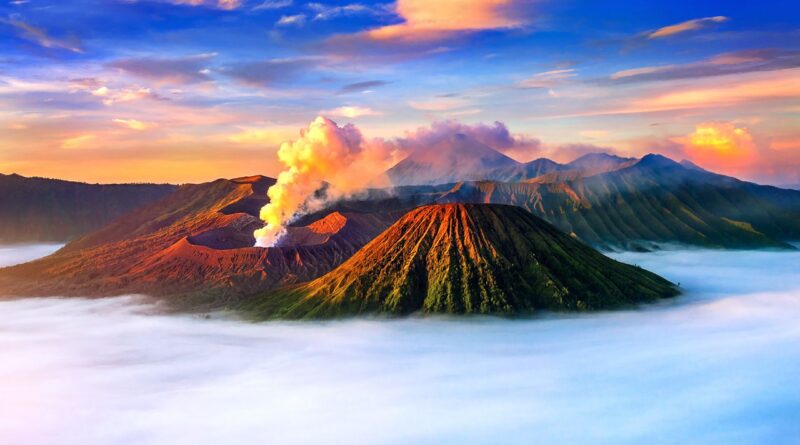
x=467 y=259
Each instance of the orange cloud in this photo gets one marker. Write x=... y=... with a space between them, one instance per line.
x=77 y=141
x=429 y=20
x=261 y=136
x=133 y=124
x=721 y=146
x=689 y=25
x=40 y=36
x=784 y=84
x=638 y=71
x=786 y=144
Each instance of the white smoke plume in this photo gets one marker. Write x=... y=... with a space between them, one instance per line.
x=325 y=154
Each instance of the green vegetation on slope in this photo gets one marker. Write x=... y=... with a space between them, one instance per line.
x=467 y=259
x=654 y=200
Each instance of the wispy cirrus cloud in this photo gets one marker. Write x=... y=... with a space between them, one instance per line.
x=268 y=72
x=273 y=4
x=41 y=37
x=689 y=25
x=219 y=4
x=292 y=20
x=328 y=12
x=165 y=70
x=547 y=79
x=133 y=124
x=361 y=87
x=783 y=85
x=765 y=90
x=77 y=141
x=724 y=64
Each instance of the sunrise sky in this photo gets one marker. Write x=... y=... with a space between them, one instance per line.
x=192 y=90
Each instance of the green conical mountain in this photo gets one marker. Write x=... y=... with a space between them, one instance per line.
x=467 y=258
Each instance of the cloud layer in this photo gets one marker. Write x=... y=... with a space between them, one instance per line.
x=689 y=25
x=721 y=362
x=425 y=20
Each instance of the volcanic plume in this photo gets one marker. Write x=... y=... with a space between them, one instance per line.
x=326 y=162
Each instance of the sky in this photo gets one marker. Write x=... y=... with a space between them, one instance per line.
x=193 y=90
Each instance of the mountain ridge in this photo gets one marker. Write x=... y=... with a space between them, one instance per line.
x=34 y=209
x=190 y=245
x=467 y=258
x=641 y=203
x=451 y=158
x=199 y=239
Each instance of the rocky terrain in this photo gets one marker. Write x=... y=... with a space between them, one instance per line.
x=467 y=259
x=194 y=246
x=619 y=203
x=197 y=241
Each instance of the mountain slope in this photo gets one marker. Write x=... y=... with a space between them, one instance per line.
x=522 y=172
x=451 y=159
x=467 y=258
x=198 y=240
x=636 y=204
x=461 y=158
x=659 y=199
x=594 y=163
x=38 y=209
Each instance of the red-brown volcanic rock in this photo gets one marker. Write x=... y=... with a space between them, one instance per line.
x=198 y=239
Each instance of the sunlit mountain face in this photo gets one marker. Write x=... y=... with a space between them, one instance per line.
x=192 y=90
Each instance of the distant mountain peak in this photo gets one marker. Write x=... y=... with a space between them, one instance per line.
x=655 y=160
x=594 y=158
x=451 y=158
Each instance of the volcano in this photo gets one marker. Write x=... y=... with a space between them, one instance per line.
x=196 y=242
x=451 y=159
x=468 y=258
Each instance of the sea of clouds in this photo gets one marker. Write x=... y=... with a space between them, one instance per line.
x=719 y=365
x=21 y=253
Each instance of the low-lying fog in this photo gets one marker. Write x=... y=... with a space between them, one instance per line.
x=720 y=365
x=21 y=253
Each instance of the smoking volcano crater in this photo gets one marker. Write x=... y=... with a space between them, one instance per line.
x=195 y=249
